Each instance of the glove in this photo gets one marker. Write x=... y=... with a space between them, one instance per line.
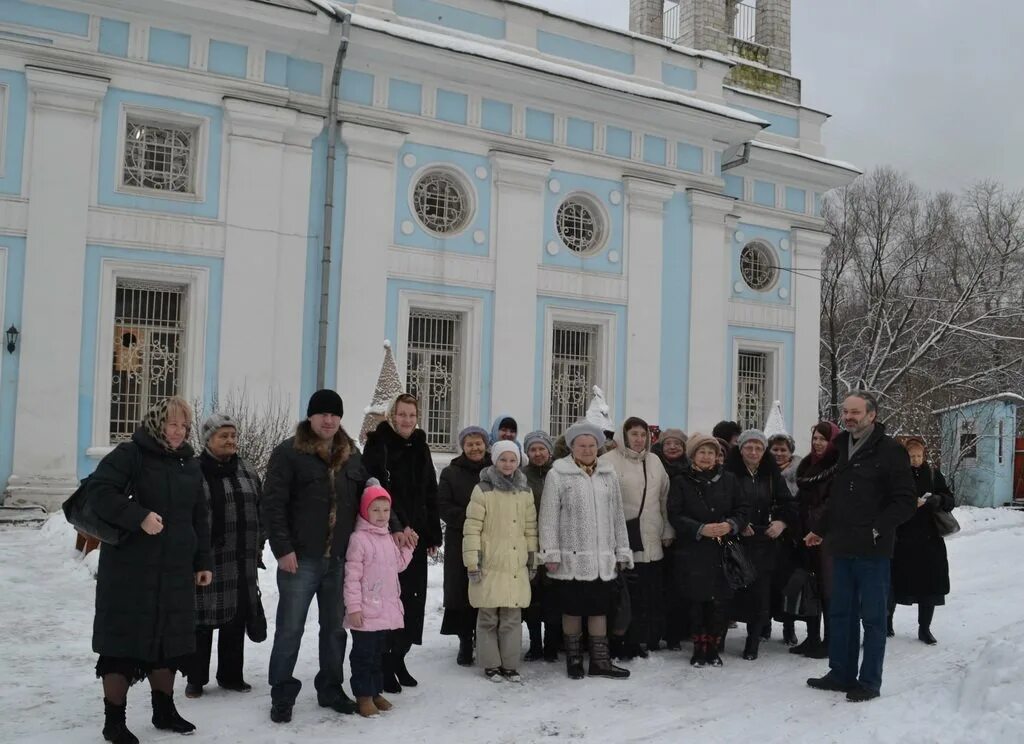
x=475 y=576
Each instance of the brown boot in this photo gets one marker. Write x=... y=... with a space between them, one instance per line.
x=366 y=708
x=382 y=703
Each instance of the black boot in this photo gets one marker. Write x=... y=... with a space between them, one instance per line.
x=751 y=646
x=536 y=650
x=789 y=633
x=889 y=630
x=714 y=645
x=699 y=657
x=600 y=663
x=390 y=684
x=573 y=655
x=924 y=634
x=465 y=657
x=551 y=641
x=114 y=727
x=165 y=715
x=766 y=632
x=402 y=674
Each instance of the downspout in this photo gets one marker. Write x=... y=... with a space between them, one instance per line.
x=325 y=260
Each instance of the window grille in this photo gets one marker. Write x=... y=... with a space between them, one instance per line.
x=159 y=157
x=149 y=329
x=757 y=267
x=579 y=225
x=434 y=374
x=441 y=203
x=573 y=352
x=752 y=389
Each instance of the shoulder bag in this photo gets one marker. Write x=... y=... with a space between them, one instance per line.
x=636 y=541
x=81 y=514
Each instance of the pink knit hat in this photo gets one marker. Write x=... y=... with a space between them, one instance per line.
x=373 y=491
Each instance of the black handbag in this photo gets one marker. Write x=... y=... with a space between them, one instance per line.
x=80 y=513
x=739 y=571
x=946 y=523
x=636 y=540
x=256 y=622
x=801 y=597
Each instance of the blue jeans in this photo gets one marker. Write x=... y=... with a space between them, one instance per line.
x=860 y=593
x=322 y=578
x=367 y=659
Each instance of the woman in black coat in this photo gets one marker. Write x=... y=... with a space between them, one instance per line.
x=454 y=490
x=671 y=450
x=398 y=455
x=920 y=568
x=145 y=586
x=813 y=481
x=705 y=505
x=772 y=509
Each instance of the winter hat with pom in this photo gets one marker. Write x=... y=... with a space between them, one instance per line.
x=505 y=445
x=373 y=491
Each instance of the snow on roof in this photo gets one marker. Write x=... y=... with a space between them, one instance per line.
x=773 y=99
x=841 y=164
x=1006 y=397
x=501 y=54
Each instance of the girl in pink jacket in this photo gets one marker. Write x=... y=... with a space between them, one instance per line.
x=373 y=604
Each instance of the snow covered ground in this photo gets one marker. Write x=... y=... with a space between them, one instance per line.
x=969 y=688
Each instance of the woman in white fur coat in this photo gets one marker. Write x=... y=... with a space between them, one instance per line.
x=644 y=485
x=583 y=545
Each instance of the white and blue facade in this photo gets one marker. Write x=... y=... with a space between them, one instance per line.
x=524 y=107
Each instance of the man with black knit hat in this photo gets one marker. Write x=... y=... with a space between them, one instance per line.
x=310 y=501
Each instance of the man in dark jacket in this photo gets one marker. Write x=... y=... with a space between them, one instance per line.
x=872 y=493
x=310 y=501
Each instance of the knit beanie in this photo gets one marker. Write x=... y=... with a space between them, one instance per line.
x=752 y=435
x=698 y=440
x=325 y=401
x=539 y=437
x=503 y=446
x=373 y=491
x=673 y=434
x=584 y=427
x=470 y=431
x=213 y=423
x=783 y=437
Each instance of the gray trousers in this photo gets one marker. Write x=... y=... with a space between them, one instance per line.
x=499 y=637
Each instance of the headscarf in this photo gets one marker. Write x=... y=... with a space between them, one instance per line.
x=155 y=419
x=828 y=430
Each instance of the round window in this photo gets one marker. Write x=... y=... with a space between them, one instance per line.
x=580 y=225
x=441 y=202
x=757 y=267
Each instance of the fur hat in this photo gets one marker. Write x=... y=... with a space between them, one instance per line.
x=752 y=435
x=584 y=427
x=505 y=445
x=325 y=401
x=698 y=440
x=471 y=431
x=539 y=437
x=673 y=434
x=373 y=491
x=214 y=422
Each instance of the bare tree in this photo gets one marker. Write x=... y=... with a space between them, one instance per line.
x=262 y=423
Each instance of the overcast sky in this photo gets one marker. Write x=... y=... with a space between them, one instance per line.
x=932 y=87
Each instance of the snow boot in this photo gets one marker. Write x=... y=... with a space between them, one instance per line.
x=388 y=669
x=339 y=702
x=815 y=648
x=465 y=657
x=281 y=712
x=114 y=727
x=924 y=634
x=402 y=673
x=789 y=633
x=600 y=663
x=573 y=655
x=382 y=704
x=714 y=646
x=165 y=715
x=750 y=648
x=861 y=694
x=366 y=708
x=700 y=648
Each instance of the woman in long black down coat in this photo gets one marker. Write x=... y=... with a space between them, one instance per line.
x=705 y=506
x=453 y=493
x=397 y=454
x=920 y=568
x=145 y=586
x=772 y=509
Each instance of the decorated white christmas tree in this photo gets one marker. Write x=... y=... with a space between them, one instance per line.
x=388 y=386
x=775 y=424
x=598 y=412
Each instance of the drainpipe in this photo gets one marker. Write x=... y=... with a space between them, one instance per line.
x=325 y=260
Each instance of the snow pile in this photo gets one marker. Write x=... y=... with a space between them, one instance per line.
x=991 y=696
x=58 y=537
x=974 y=519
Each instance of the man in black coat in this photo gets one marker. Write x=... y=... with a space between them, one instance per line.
x=872 y=493
x=310 y=501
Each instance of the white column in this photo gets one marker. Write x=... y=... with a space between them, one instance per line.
x=645 y=221
x=807 y=249
x=519 y=183
x=369 y=210
x=64 y=113
x=267 y=212
x=709 y=296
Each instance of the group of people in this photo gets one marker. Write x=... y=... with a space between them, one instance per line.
x=611 y=541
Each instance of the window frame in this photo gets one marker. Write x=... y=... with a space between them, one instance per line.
x=603 y=226
x=773 y=259
x=968 y=427
x=605 y=371
x=165 y=118
x=472 y=311
x=464 y=182
x=773 y=371
x=196 y=279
